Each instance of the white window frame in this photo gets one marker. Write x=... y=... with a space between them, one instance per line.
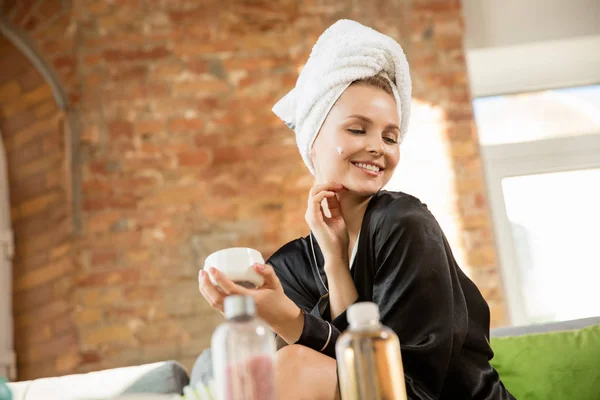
x=525 y=68
x=7 y=353
x=528 y=158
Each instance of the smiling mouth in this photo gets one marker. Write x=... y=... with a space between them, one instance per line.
x=368 y=168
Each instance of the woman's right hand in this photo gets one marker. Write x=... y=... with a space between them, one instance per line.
x=331 y=232
x=211 y=293
x=272 y=305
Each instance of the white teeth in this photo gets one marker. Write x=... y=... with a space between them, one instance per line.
x=368 y=167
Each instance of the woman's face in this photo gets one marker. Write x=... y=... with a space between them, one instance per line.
x=357 y=145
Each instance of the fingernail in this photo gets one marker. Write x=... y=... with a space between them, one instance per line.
x=213 y=271
x=201 y=273
x=259 y=267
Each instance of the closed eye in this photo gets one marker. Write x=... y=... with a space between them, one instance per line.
x=390 y=140
x=356 y=131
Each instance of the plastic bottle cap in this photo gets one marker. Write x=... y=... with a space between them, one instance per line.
x=363 y=314
x=236 y=306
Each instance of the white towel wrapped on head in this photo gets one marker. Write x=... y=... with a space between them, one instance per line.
x=347 y=51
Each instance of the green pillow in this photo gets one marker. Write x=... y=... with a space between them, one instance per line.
x=552 y=365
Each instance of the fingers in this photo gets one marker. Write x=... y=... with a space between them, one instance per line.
x=314 y=211
x=214 y=297
x=318 y=193
x=335 y=209
x=332 y=187
x=267 y=272
x=226 y=285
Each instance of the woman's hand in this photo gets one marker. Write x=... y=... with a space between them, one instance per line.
x=272 y=305
x=331 y=232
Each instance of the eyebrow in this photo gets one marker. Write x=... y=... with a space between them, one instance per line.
x=367 y=119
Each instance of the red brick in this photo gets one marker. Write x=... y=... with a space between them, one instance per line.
x=90 y=357
x=38 y=204
x=30 y=23
x=184 y=124
x=107 y=278
x=199 y=66
x=102 y=221
x=198 y=17
x=27 y=153
x=30 y=79
x=42 y=275
x=28 y=299
x=142 y=54
x=63 y=325
x=104 y=257
x=133 y=72
x=167 y=71
x=144 y=293
x=136 y=91
x=117 y=129
x=92 y=60
x=122 y=201
x=149 y=127
x=138 y=183
x=50 y=310
x=10 y=90
x=49 y=8
x=104 y=167
x=200 y=88
x=46 y=109
x=194 y=158
x=175 y=196
x=436 y=6
x=38 y=224
x=52 y=349
x=21 y=12
x=158 y=162
x=64 y=62
x=449 y=42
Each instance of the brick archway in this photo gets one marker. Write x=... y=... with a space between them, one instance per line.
x=33 y=127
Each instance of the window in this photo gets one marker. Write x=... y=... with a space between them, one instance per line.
x=541 y=152
x=535 y=116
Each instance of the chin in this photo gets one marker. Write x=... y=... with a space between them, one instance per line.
x=363 y=190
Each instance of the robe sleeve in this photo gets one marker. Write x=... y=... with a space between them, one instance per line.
x=295 y=276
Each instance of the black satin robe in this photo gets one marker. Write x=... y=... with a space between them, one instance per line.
x=405 y=265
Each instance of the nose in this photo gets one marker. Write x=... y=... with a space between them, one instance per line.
x=375 y=145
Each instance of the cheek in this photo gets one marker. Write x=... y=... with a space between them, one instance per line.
x=393 y=157
x=346 y=145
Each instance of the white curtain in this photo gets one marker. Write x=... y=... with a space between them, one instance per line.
x=7 y=358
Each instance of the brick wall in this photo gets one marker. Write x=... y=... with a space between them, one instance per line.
x=179 y=154
x=34 y=140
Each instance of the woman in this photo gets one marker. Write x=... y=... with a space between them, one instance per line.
x=366 y=244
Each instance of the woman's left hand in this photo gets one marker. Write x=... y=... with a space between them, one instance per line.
x=272 y=305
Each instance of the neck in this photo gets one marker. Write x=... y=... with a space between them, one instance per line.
x=353 y=210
